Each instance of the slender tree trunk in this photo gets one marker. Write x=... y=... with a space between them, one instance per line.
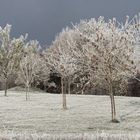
x=62 y=86
x=69 y=89
x=83 y=88
x=77 y=87
x=63 y=90
x=5 y=87
x=27 y=92
x=113 y=108
x=82 y=92
x=45 y=89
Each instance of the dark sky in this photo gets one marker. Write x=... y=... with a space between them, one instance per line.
x=43 y=19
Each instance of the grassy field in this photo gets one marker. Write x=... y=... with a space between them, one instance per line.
x=85 y=114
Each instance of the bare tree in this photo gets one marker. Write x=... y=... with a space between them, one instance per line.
x=10 y=50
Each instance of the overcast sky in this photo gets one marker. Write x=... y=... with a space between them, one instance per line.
x=43 y=19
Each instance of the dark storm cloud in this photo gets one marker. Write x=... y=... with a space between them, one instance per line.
x=43 y=19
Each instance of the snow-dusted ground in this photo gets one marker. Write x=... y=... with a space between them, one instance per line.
x=86 y=114
x=85 y=136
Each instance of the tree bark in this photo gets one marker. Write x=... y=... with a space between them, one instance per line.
x=69 y=89
x=84 y=86
x=113 y=106
x=27 y=93
x=63 y=90
x=82 y=92
x=5 y=88
x=62 y=86
x=45 y=89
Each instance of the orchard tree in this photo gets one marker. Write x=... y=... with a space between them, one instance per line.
x=10 y=53
x=112 y=45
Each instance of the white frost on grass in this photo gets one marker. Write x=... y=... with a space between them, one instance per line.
x=86 y=114
x=85 y=136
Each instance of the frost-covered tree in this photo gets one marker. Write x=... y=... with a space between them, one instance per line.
x=10 y=52
x=60 y=57
x=30 y=65
x=112 y=45
x=136 y=28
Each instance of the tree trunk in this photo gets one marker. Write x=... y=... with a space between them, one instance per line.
x=69 y=89
x=82 y=92
x=27 y=93
x=113 y=111
x=62 y=86
x=63 y=90
x=77 y=87
x=113 y=108
x=5 y=87
x=84 y=86
x=45 y=89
